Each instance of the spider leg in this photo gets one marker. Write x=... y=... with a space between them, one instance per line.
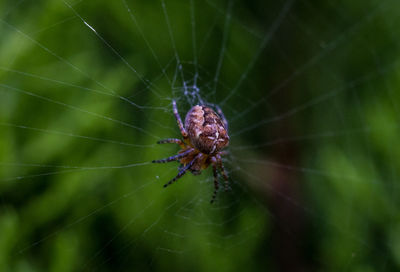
x=179 y=120
x=172 y=141
x=226 y=178
x=182 y=171
x=216 y=185
x=221 y=114
x=175 y=157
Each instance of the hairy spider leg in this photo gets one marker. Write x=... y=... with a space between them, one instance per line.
x=179 y=120
x=215 y=173
x=221 y=114
x=183 y=170
x=175 y=157
x=221 y=167
x=172 y=141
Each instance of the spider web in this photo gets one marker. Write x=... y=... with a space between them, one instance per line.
x=310 y=96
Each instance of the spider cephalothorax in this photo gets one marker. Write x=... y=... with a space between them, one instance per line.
x=205 y=134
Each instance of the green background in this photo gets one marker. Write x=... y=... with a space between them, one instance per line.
x=314 y=124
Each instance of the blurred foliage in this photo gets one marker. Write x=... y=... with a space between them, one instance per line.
x=85 y=92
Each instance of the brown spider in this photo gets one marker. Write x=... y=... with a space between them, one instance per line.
x=205 y=134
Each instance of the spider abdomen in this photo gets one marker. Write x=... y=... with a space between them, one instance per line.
x=205 y=129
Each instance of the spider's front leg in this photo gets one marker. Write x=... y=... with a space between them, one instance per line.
x=226 y=178
x=183 y=170
x=179 y=120
x=215 y=173
x=175 y=157
x=172 y=141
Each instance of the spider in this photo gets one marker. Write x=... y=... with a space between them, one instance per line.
x=205 y=134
